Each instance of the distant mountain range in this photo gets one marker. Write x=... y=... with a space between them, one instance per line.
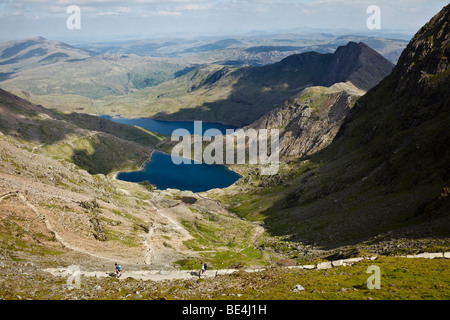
x=242 y=95
x=251 y=49
x=112 y=79
x=43 y=67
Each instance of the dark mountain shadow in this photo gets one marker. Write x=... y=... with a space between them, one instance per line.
x=257 y=90
x=185 y=71
x=386 y=175
x=109 y=154
x=16 y=48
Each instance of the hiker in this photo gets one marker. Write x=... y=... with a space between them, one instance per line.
x=118 y=269
x=204 y=266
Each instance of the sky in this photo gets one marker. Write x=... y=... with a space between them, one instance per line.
x=118 y=19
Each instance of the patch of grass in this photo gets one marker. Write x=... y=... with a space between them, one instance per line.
x=15 y=239
x=188 y=264
x=127 y=240
x=147 y=185
x=128 y=216
x=401 y=278
x=222 y=246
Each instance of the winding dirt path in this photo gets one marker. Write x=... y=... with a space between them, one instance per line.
x=152 y=245
x=48 y=224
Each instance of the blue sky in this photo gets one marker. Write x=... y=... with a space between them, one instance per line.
x=101 y=19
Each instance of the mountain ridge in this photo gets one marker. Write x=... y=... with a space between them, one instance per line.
x=243 y=95
x=386 y=174
x=19 y=54
x=95 y=144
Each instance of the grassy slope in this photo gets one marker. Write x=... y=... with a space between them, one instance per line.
x=95 y=77
x=94 y=144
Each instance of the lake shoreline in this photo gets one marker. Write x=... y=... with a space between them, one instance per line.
x=184 y=183
x=162 y=120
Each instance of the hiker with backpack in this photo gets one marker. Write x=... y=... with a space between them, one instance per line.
x=118 y=269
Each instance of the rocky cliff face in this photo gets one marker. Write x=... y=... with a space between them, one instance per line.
x=309 y=121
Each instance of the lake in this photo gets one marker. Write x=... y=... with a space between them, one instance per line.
x=167 y=127
x=161 y=172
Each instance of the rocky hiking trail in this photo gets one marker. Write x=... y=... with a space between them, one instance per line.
x=161 y=275
x=149 y=242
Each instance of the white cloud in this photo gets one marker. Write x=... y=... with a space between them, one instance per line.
x=194 y=7
x=164 y=13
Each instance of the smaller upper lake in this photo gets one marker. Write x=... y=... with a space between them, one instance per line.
x=161 y=172
x=167 y=127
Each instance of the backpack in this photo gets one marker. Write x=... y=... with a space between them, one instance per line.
x=205 y=266
x=119 y=267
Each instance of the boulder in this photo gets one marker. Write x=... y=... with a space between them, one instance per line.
x=297 y=288
x=337 y=263
x=295 y=267
x=351 y=261
x=324 y=265
x=428 y=255
x=189 y=200
x=309 y=266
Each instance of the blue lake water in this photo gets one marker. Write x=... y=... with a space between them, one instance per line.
x=161 y=172
x=167 y=127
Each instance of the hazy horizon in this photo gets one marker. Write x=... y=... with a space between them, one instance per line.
x=114 y=20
